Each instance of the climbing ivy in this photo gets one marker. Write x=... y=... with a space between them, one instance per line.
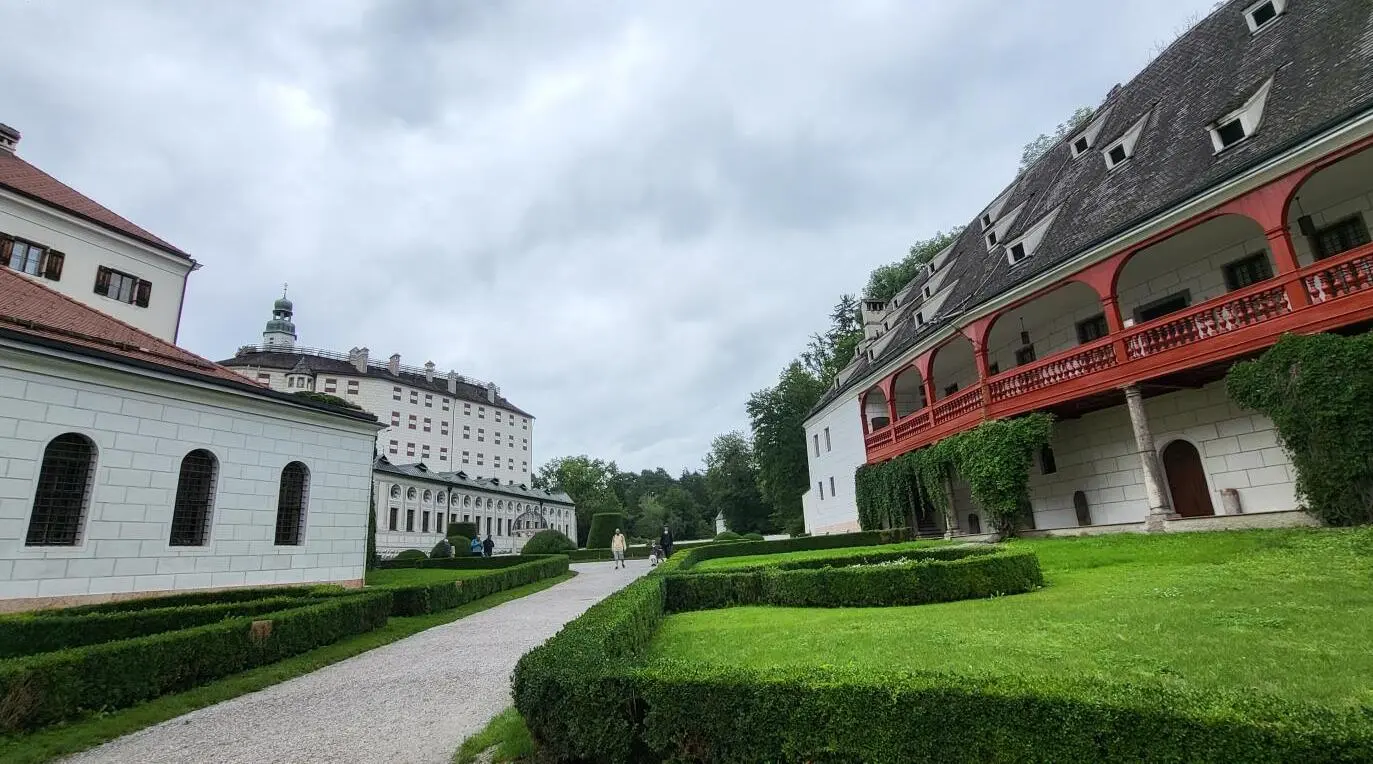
x=1318 y=391
x=994 y=458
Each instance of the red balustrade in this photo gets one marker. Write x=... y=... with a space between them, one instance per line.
x=1340 y=279
x=957 y=405
x=912 y=423
x=1209 y=319
x=1060 y=367
x=881 y=437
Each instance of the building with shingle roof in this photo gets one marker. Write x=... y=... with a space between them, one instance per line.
x=1214 y=201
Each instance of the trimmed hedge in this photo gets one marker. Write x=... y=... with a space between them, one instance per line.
x=465 y=563
x=443 y=550
x=51 y=687
x=467 y=530
x=462 y=546
x=241 y=594
x=29 y=634
x=942 y=575
x=431 y=598
x=549 y=541
x=728 y=536
x=806 y=544
x=410 y=554
x=753 y=537
x=719 y=713
x=601 y=555
x=603 y=525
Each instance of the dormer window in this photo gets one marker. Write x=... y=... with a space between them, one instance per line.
x=1124 y=147
x=1026 y=245
x=991 y=239
x=1241 y=123
x=1080 y=145
x=1085 y=139
x=1016 y=253
x=986 y=221
x=928 y=292
x=919 y=319
x=1261 y=14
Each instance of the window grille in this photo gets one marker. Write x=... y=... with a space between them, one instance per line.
x=194 y=497
x=295 y=479
x=64 y=492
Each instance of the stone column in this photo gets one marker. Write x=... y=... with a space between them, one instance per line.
x=950 y=514
x=1153 y=473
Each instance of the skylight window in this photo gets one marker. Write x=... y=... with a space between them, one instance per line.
x=1259 y=15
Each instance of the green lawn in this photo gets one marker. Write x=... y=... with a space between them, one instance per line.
x=506 y=736
x=66 y=739
x=1288 y=612
x=759 y=560
x=419 y=576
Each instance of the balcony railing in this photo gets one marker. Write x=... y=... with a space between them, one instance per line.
x=1338 y=291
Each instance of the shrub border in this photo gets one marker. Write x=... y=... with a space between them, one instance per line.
x=506 y=573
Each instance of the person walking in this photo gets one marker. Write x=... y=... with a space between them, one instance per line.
x=475 y=547
x=617 y=548
x=488 y=545
x=666 y=541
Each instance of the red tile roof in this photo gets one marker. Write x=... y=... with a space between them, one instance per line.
x=31 y=309
x=23 y=178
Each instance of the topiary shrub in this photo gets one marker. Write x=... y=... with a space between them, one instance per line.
x=442 y=550
x=410 y=554
x=1316 y=390
x=603 y=525
x=462 y=546
x=753 y=536
x=729 y=536
x=462 y=529
x=548 y=541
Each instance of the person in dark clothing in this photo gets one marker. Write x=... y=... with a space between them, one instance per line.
x=488 y=545
x=666 y=541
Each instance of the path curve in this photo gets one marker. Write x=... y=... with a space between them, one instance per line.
x=413 y=701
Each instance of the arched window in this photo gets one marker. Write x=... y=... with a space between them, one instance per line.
x=291 y=500
x=195 y=490
x=64 y=492
x=395 y=492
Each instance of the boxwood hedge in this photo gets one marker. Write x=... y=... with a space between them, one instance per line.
x=511 y=572
x=40 y=689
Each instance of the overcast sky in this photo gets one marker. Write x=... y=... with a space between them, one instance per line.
x=629 y=215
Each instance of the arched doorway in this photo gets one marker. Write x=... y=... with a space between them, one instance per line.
x=1187 y=480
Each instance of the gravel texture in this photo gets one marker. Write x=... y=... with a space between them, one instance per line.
x=414 y=700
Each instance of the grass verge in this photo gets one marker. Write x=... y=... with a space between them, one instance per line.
x=66 y=739
x=768 y=560
x=506 y=733
x=420 y=576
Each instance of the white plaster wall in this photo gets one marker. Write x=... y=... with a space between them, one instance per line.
x=837 y=512
x=87 y=247
x=470 y=507
x=142 y=428
x=1332 y=195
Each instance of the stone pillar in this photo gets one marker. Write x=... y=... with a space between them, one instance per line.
x=1153 y=473
x=950 y=514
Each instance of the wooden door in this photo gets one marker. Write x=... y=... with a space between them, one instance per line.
x=1187 y=480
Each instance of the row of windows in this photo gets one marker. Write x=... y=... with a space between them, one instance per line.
x=817 y=441
x=62 y=500
x=454 y=499
x=397 y=394
x=820 y=486
x=38 y=260
x=502 y=525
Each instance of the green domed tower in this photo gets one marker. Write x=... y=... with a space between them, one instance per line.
x=280 y=331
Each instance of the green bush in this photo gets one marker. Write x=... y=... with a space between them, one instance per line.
x=411 y=554
x=462 y=546
x=468 y=530
x=467 y=562
x=431 y=598
x=753 y=536
x=549 y=541
x=728 y=536
x=603 y=525
x=805 y=544
x=442 y=550
x=601 y=555
x=934 y=575
x=42 y=689
x=45 y=631
x=243 y=594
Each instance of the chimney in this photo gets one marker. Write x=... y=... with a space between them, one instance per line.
x=358 y=357
x=393 y=365
x=491 y=392
x=452 y=383
x=9 y=138
x=429 y=371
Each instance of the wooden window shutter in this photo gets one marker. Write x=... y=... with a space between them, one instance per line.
x=102 y=280
x=52 y=265
x=5 y=242
x=142 y=293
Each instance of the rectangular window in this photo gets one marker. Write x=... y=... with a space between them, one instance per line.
x=1017 y=253
x=264 y=378
x=1025 y=355
x=831 y=485
x=1047 y=465
x=409 y=449
x=123 y=287
x=352 y=387
x=1080 y=145
x=480 y=457
x=395 y=393
x=467 y=409
x=827 y=439
x=414 y=397
x=409 y=521
x=1246 y=271
x=445 y=404
x=1090 y=329
x=395 y=518
x=488 y=526
x=481 y=435
x=443 y=454
x=428 y=401
x=443 y=428
x=395 y=446
x=498 y=438
x=413 y=421
x=481 y=412
x=816 y=437
x=524 y=466
x=526 y=424
x=820 y=486
x=526 y=443
x=1230 y=133
x=1263 y=13
x=427 y=424
x=30 y=258
x=1162 y=307
x=1117 y=155
x=395 y=419
x=330 y=385
x=466 y=432
x=498 y=416
x=1340 y=236
x=951 y=389
x=424 y=451
x=466 y=458
x=425 y=526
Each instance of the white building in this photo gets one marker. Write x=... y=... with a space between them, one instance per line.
x=1219 y=199
x=52 y=233
x=129 y=466
x=445 y=420
x=415 y=505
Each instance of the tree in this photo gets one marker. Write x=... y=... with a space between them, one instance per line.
x=827 y=354
x=778 y=416
x=587 y=481
x=1041 y=145
x=688 y=518
x=732 y=480
x=887 y=281
x=652 y=518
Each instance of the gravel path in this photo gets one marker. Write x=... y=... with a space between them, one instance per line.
x=414 y=700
